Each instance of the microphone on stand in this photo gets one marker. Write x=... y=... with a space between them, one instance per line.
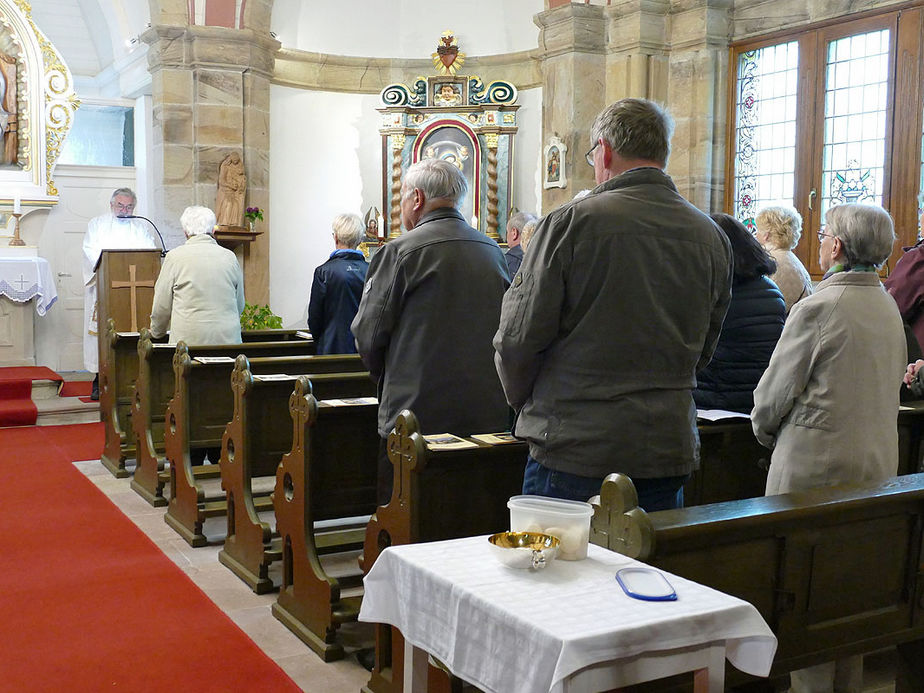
x=163 y=252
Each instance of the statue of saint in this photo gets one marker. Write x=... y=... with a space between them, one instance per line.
x=229 y=204
x=8 y=121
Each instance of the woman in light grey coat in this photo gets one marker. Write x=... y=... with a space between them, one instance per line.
x=828 y=402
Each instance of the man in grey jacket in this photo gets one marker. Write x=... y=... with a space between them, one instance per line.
x=430 y=307
x=618 y=303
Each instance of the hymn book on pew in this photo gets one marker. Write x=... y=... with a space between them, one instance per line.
x=719 y=415
x=213 y=359
x=303 y=334
x=271 y=377
x=349 y=402
x=448 y=441
x=495 y=438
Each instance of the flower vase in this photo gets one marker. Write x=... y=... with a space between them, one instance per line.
x=250 y=225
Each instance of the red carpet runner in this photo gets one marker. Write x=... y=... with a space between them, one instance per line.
x=87 y=602
x=16 y=405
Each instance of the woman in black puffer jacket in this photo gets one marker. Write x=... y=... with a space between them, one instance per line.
x=751 y=329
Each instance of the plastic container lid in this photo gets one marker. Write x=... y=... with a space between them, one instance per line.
x=555 y=505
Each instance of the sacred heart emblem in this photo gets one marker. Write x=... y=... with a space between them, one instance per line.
x=448 y=58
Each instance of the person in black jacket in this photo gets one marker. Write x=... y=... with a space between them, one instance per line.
x=337 y=289
x=751 y=329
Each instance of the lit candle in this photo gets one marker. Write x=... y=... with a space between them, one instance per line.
x=17 y=205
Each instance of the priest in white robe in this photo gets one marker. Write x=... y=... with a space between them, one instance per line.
x=110 y=231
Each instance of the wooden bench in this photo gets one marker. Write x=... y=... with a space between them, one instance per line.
x=154 y=387
x=201 y=407
x=258 y=435
x=117 y=373
x=119 y=369
x=436 y=495
x=733 y=465
x=834 y=571
x=329 y=473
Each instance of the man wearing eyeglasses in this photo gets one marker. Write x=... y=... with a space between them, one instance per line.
x=110 y=231
x=619 y=301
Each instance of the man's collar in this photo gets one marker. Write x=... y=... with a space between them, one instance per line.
x=440 y=213
x=645 y=174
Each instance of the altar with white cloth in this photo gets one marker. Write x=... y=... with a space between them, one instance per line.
x=567 y=627
x=24 y=277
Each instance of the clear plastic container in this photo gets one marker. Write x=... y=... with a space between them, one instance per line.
x=566 y=519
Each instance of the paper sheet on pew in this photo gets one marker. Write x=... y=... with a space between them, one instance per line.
x=448 y=441
x=272 y=377
x=213 y=359
x=719 y=415
x=303 y=334
x=495 y=438
x=349 y=402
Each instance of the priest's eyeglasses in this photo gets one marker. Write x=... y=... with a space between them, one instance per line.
x=130 y=207
x=589 y=156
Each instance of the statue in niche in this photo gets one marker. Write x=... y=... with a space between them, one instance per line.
x=8 y=110
x=229 y=203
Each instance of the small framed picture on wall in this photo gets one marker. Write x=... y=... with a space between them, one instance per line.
x=554 y=174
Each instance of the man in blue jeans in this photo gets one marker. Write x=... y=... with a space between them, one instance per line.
x=618 y=303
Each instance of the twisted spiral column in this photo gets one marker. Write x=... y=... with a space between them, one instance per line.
x=394 y=223
x=491 y=141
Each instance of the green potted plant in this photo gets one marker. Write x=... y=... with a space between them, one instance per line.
x=259 y=318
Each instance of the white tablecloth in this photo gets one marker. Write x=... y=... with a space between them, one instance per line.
x=25 y=278
x=511 y=630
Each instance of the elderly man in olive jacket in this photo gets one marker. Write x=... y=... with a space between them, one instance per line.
x=617 y=304
x=430 y=307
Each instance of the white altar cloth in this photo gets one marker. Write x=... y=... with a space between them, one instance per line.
x=25 y=278
x=510 y=630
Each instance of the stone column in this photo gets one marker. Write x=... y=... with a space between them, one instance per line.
x=697 y=95
x=572 y=54
x=211 y=97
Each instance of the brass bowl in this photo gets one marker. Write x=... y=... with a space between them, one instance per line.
x=530 y=550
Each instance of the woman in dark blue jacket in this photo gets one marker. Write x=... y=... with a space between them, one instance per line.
x=751 y=329
x=337 y=289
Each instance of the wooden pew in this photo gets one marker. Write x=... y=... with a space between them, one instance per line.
x=154 y=388
x=330 y=472
x=436 y=495
x=258 y=435
x=834 y=571
x=118 y=370
x=201 y=407
x=733 y=465
x=118 y=373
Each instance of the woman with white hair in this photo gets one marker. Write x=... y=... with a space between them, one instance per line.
x=827 y=405
x=778 y=230
x=199 y=294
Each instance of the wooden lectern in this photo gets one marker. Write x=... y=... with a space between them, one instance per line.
x=125 y=285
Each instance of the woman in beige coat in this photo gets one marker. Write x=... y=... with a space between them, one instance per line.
x=778 y=231
x=199 y=294
x=828 y=402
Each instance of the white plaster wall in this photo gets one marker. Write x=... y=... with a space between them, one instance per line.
x=326 y=158
x=405 y=28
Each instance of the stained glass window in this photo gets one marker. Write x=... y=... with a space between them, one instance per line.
x=856 y=92
x=765 y=129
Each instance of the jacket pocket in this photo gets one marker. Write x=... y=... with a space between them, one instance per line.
x=810 y=417
x=513 y=308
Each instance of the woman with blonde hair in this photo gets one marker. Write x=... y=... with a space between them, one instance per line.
x=778 y=230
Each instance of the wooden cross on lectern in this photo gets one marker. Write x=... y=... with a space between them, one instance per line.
x=133 y=284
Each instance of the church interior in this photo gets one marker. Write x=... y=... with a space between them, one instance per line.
x=324 y=110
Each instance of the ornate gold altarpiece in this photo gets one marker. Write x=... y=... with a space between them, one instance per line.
x=461 y=120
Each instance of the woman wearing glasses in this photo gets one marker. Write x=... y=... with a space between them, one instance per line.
x=828 y=402
x=778 y=230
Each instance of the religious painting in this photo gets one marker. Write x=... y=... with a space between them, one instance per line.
x=450 y=141
x=553 y=169
x=447 y=92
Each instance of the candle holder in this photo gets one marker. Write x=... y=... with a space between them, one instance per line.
x=17 y=241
